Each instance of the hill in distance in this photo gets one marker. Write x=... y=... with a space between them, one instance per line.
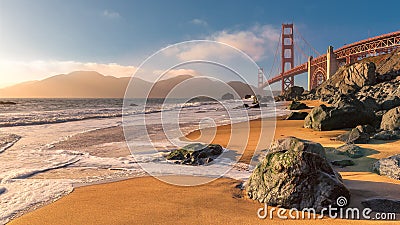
x=91 y=84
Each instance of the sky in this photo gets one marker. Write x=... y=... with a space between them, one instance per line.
x=42 y=38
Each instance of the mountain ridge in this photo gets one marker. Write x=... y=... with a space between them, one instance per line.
x=91 y=84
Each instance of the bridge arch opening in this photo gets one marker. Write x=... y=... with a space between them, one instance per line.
x=318 y=77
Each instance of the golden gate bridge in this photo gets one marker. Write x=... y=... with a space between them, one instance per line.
x=319 y=67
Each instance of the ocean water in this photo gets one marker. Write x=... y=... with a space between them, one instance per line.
x=29 y=129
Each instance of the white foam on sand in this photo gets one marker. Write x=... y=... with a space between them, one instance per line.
x=29 y=155
x=22 y=194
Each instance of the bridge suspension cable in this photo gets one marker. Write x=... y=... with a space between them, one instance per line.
x=271 y=72
x=297 y=33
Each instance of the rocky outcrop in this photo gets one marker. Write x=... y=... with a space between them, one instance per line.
x=385 y=94
x=388 y=65
x=358 y=135
x=382 y=205
x=389 y=167
x=348 y=80
x=295 y=105
x=195 y=154
x=227 y=96
x=295 y=174
x=344 y=114
x=391 y=119
x=297 y=116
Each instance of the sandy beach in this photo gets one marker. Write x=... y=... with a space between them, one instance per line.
x=146 y=200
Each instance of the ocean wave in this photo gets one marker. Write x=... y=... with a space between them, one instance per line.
x=51 y=119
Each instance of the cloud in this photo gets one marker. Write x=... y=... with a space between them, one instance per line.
x=258 y=42
x=199 y=22
x=19 y=71
x=111 y=14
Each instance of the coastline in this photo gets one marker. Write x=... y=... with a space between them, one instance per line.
x=360 y=181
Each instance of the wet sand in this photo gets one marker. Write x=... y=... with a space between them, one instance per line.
x=147 y=200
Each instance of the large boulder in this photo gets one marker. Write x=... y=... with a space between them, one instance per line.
x=344 y=114
x=295 y=174
x=195 y=154
x=297 y=145
x=389 y=167
x=293 y=93
x=391 y=119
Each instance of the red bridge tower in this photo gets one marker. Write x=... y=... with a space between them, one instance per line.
x=287 y=55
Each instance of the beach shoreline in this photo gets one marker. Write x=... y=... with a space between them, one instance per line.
x=361 y=182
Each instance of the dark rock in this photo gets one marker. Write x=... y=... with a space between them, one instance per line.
x=387 y=135
x=389 y=167
x=227 y=96
x=390 y=103
x=366 y=129
x=297 y=116
x=382 y=205
x=133 y=104
x=342 y=115
x=391 y=119
x=295 y=105
x=7 y=103
x=351 y=150
x=195 y=154
x=370 y=103
x=293 y=93
x=292 y=175
x=343 y=163
x=356 y=135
